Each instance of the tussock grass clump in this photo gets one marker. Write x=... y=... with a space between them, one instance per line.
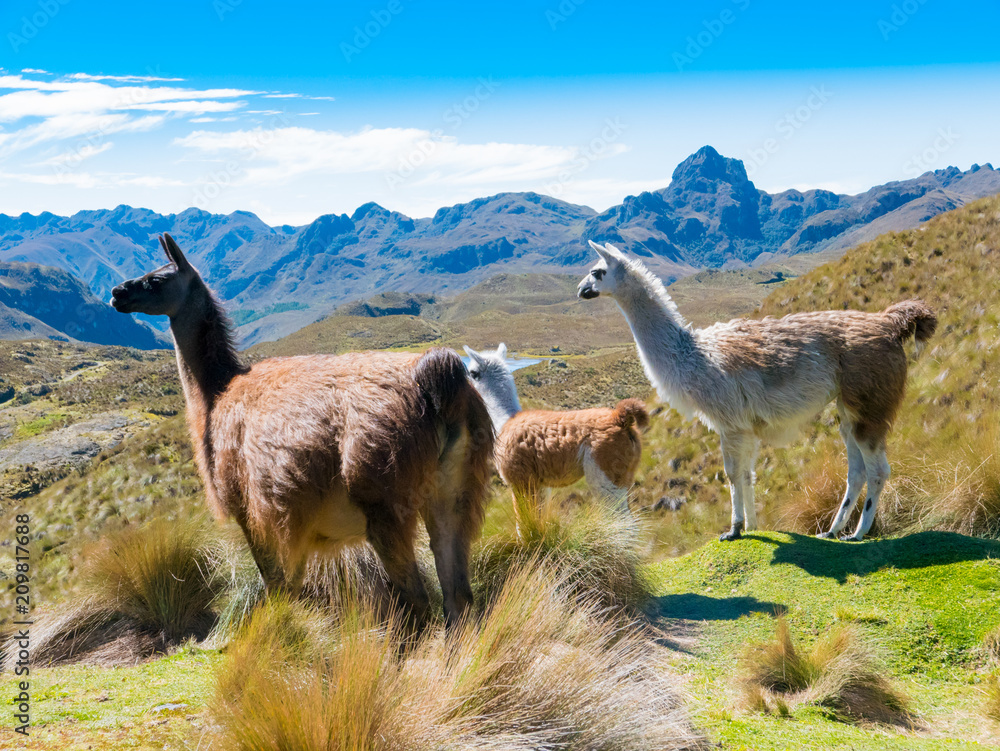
x=536 y=671
x=973 y=506
x=840 y=674
x=596 y=551
x=143 y=589
x=991 y=707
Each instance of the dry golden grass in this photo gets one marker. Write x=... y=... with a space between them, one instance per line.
x=991 y=707
x=142 y=590
x=840 y=674
x=597 y=552
x=536 y=671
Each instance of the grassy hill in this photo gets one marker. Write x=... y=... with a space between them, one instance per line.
x=925 y=604
x=92 y=442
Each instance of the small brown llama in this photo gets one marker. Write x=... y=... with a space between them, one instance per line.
x=538 y=449
x=313 y=453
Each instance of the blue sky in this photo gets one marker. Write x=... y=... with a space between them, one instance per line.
x=297 y=109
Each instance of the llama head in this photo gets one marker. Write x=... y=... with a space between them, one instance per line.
x=606 y=273
x=161 y=292
x=494 y=381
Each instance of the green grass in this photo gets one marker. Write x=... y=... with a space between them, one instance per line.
x=925 y=602
x=249 y=315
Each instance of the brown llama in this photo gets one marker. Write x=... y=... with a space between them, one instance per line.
x=538 y=449
x=313 y=453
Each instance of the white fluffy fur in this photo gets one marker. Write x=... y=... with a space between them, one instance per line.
x=744 y=405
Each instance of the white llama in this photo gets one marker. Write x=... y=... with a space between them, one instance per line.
x=538 y=449
x=763 y=380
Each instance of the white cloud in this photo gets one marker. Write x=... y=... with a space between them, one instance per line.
x=409 y=156
x=75 y=156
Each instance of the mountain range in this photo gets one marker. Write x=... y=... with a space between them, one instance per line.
x=277 y=279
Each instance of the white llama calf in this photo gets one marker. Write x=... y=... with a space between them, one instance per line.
x=763 y=380
x=548 y=449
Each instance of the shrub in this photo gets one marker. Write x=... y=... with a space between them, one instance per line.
x=840 y=674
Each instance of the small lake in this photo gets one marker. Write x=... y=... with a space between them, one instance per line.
x=514 y=363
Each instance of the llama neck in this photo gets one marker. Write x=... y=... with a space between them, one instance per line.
x=664 y=341
x=206 y=357
x=501 y=403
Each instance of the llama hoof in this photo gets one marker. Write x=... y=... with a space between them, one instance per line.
x=734 y=534
x=851 y=538
x=825 y=536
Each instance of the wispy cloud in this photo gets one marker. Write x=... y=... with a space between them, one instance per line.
x=282 y=154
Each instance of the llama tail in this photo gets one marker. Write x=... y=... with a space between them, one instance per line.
x=454 y=401
x=458 y=410
x=631 y=411
x=912 y=318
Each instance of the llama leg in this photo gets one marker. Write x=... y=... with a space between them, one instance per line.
x=737 y=450
x=599 y=481
x=877 y=469
x=393 y=541
x=856 y=476
x=443 y=527
x=747 y=478
x=267 y=562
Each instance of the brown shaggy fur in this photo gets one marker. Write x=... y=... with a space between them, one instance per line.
x=312 y=453
x=538 y=448
x=868 y=347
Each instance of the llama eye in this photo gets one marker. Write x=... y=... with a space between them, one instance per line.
x=598 y=274
x=474 y=374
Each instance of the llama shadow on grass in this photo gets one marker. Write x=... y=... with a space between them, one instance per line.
x=694 y=607
x=680 y=617
x=837 y=560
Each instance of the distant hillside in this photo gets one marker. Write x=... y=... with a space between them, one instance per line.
x=49 y=303
x=276 y=280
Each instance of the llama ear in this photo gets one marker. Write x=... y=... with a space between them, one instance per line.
x=173 y=251
x=600 y=250
x=473 y=355
x=613 y=252
x=502 y=351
